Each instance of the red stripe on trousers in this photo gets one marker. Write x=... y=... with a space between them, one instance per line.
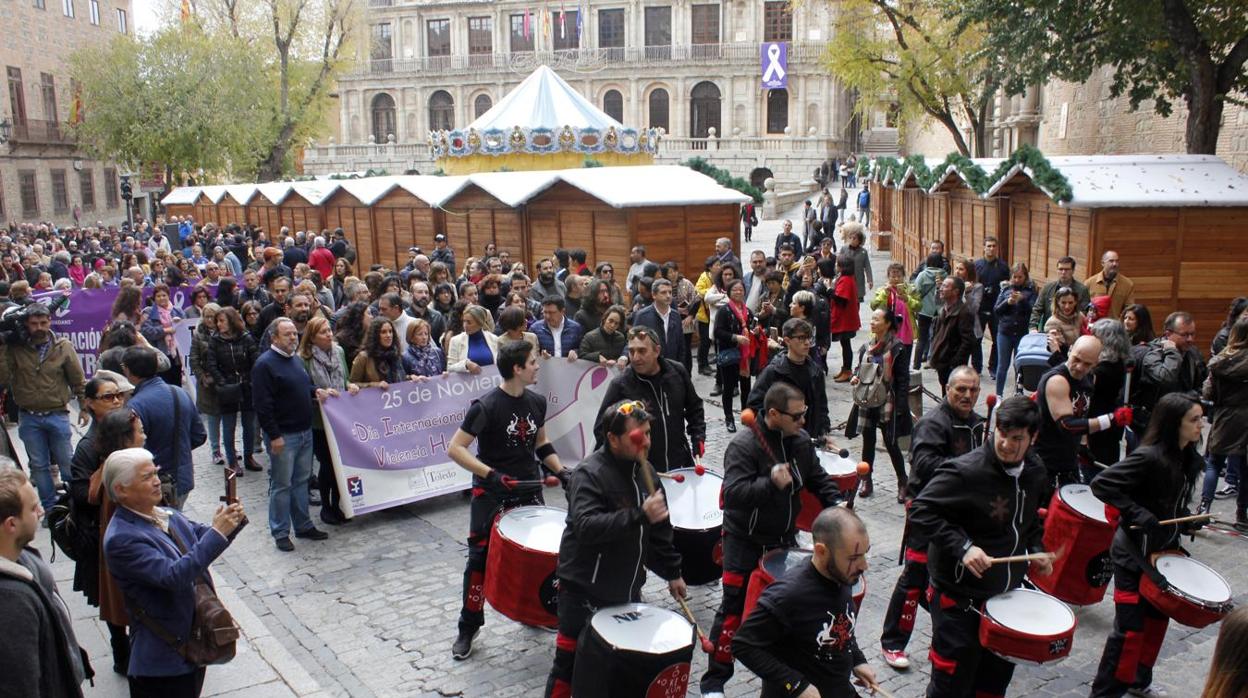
x=561 y=689
x=565 y=643
x=476 y=591
x=1154 y=634
x=1126 y=597
x=733 y=579
x=909 y=609
x=942 y=664
x=913 y=555
x=1129 y=658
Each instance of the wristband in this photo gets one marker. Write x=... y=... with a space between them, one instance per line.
x=1104 y=422
x=545 y=450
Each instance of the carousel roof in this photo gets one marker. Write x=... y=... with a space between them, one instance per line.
x=543 y=99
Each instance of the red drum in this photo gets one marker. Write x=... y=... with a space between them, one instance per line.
x=843 y=470
x=520 y=578
x=772 y=566
x=860 y=591
x=1197 y=596
x=634 y=651
x=1077 y=529
x=1027 y=627
x=697 y=524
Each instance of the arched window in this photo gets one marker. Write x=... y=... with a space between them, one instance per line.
x=441 y=111
x=777 y=111
x=704 y=110
x=658 y=110
x=481 y=105
x=613 y=105
x=383 y=118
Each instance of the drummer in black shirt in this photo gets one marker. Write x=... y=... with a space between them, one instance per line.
x=508 y=425
x=977 y=507
x=800 y=637
x=614 y=530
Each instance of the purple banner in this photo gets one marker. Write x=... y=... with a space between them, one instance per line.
x=390 y=447
x=775 y=65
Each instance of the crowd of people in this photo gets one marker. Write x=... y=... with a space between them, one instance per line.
x=287 y=321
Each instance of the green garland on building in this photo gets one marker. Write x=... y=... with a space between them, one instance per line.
x=1043 y=173
x=725 y=178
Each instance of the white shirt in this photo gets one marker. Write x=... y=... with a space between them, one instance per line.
x=663 y=317
x=557 y=333
x=400 y=330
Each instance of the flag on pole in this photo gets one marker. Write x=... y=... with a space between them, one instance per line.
x=580 y=21
x=563 y=23
x=546 y=23
x=528 y=24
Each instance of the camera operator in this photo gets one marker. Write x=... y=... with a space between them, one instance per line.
x=41 y=370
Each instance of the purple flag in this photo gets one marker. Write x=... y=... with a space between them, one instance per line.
x=775 y=62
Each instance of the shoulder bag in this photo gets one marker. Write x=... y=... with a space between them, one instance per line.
x=871 y=390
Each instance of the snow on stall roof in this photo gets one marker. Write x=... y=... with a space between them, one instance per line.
x=214 y=192
x=369 y=189
x=275 y=191
x=544 y=99
x=1135 y=181
x=181 y=196
x=932 y=163
x=651 y=185
x=432 y=189
x=515 y=188
x=316 y=191
x=241 y=193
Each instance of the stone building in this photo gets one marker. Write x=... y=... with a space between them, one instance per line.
x=693 y=69
x=43 y=174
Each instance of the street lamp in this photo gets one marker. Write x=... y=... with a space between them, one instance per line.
x=6 y=130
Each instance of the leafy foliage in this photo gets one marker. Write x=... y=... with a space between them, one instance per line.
x=725 y=178
x=591 y=162
x=1044 y=175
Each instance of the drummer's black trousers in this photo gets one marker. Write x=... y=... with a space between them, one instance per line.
x=961 y=667
x=740 y=559
x=575 y=610
x=908 y=595
x=482 y=511
x=1132 y=647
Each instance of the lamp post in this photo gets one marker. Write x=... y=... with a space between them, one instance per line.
x=6 y=130
x=127 y=193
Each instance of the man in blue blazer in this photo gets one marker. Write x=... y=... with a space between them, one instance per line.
x=664 y=320
x=557 y=334
x=156 y=554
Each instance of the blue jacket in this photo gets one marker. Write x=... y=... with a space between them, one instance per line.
x=155 y=576
x=1012 y=319
x=170 y=443
x=281 y=393
x=672 y=337
x=571 y=336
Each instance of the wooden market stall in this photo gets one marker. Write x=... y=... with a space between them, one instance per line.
x=485 y=210
x=909 y=243
x=180 y=202
x=232 y=209
x=264 y=210
x=303 y=209
x=971 y=217
x=206 y=204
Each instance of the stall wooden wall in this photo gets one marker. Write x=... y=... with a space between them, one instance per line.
x=564 y=216
x=935 y=220
x=343 y=210
x=265 y=214
x=400 y=221
x=205 y=211
x=229 y=210
x=912 y=249
x=297 y=213
x=971 y=219
x=685 y=234
x=179 y=210
x=474 y=217
x=881 y=207
x=1041 y=232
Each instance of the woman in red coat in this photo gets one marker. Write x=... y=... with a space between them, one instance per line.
x=844 y=310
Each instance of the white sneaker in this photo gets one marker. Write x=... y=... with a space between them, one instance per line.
x=1148 y=692
x=713 y=694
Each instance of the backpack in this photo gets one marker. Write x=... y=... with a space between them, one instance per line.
x=871 y=390
x=68 y=533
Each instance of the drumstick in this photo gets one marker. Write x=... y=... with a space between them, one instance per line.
x=669 y=476
x=991 y=401
x=876 y=688
x=638 y=437
x=1029 y=557
x=549 y=481
x=1182 y=519
x=707 y=646
x=1126 y=400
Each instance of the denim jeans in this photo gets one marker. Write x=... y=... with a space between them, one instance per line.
x=1005 y=346
x=1214 y=462
x=214 y=432
x=46 y=438
x=288 y=484
x=230 y=422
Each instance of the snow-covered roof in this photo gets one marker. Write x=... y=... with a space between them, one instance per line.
x=241 y=193
x=651 y=185
x=988 y=165
x=214 y=192
x=515 y=188
x=369 y=189
x=181 y=196
x=316 y=191
x=543 y=99
x=432 y=189
x=1136 y=181
x=275 y=191
x=911 y=175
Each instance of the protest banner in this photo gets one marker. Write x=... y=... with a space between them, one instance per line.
x=82 y=320
x=182 y=333
x=389 y=447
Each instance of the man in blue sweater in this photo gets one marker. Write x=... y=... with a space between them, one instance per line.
x=174 y=428
x=278 y=378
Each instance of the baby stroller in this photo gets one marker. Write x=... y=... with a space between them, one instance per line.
x=1031 y=361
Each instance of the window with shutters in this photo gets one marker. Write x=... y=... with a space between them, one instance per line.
x=95 y=12
x=564 y=34
x=123 y=26
x=438 y=37
x=86 y=188
x=67 y=6
x=705 y=24
x=112 y=195
x=658 y=23
x=613 y=105
x=17 y=96
x=521 y=40
x=658 y=109
x=480 y=35
x=30 y=193
x=60 y=193
x=47 y=90
x=777 y=21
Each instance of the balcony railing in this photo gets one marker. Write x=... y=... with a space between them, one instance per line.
x=584 y=58
x=40 y=131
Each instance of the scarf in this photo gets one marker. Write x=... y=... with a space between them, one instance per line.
x=757 y=346
x=325 y=369
x=1071 y=326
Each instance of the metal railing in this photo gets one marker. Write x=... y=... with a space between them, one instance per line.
x=41 y=131
x=583 y=58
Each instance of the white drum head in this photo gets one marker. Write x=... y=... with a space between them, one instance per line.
x=1194 y=579
x=836 y=466
x=860 y=586
x=1081 y=499
x=536 y=528
x=1031 y=612
x=779 y=562
x=637 y=627
x=694 y=504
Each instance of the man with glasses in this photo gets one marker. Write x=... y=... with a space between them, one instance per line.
x=1172 y=363
x=795 y=368
x=1043 y=307
x=765 y=470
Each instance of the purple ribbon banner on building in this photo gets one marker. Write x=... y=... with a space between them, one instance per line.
x=775 y=65
x=389 y=447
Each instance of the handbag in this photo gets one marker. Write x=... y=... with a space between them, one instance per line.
x=230 y=393
x=728 y=357
x=213 y=636
x=871 y=391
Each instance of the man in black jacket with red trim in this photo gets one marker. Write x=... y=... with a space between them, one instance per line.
x=614 y=529
x=765 y=469
x=977 y=507
x=951 y=430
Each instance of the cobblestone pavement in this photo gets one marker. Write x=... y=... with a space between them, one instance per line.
x=372 y=611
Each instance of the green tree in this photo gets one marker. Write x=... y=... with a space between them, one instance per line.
x=1160 y=50
x=174 y=98
x=913 y=53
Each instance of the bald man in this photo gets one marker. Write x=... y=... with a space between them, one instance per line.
x=1065 y=394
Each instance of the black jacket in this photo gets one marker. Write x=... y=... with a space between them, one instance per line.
x=1147 y=486
x=972 y=500
x=801 y=633
x=808 y=377
x=608 y=539
x=1163 y=371
x=754 y=508
x=953 y=337
x=672 y=336
x=940 y=435
x=230 y=361
x=671 y=398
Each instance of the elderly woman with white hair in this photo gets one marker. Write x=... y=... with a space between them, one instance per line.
x=158 y=556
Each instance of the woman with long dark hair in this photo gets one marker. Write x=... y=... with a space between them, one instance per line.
x=352 y=328
x=1238 y=310
x=1013 y=311
x=893 y=418
x=229 y=357
x=128 y=305
x=1228 y=672
x=1227 y=389
x=606 y=344
x=251 y=319
x=1139 y=324
x=843 y=305
x=337 y=284
x=380 y=363
x=1153 y=483
x=227 y=293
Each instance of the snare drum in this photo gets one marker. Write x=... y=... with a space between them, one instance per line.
x=697 y=524
x=842 y=470
x=1078 y=530
x=1027 y=627
x=772 y=566
x=1197 y=595
x=633 y=651
x=520 y=567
